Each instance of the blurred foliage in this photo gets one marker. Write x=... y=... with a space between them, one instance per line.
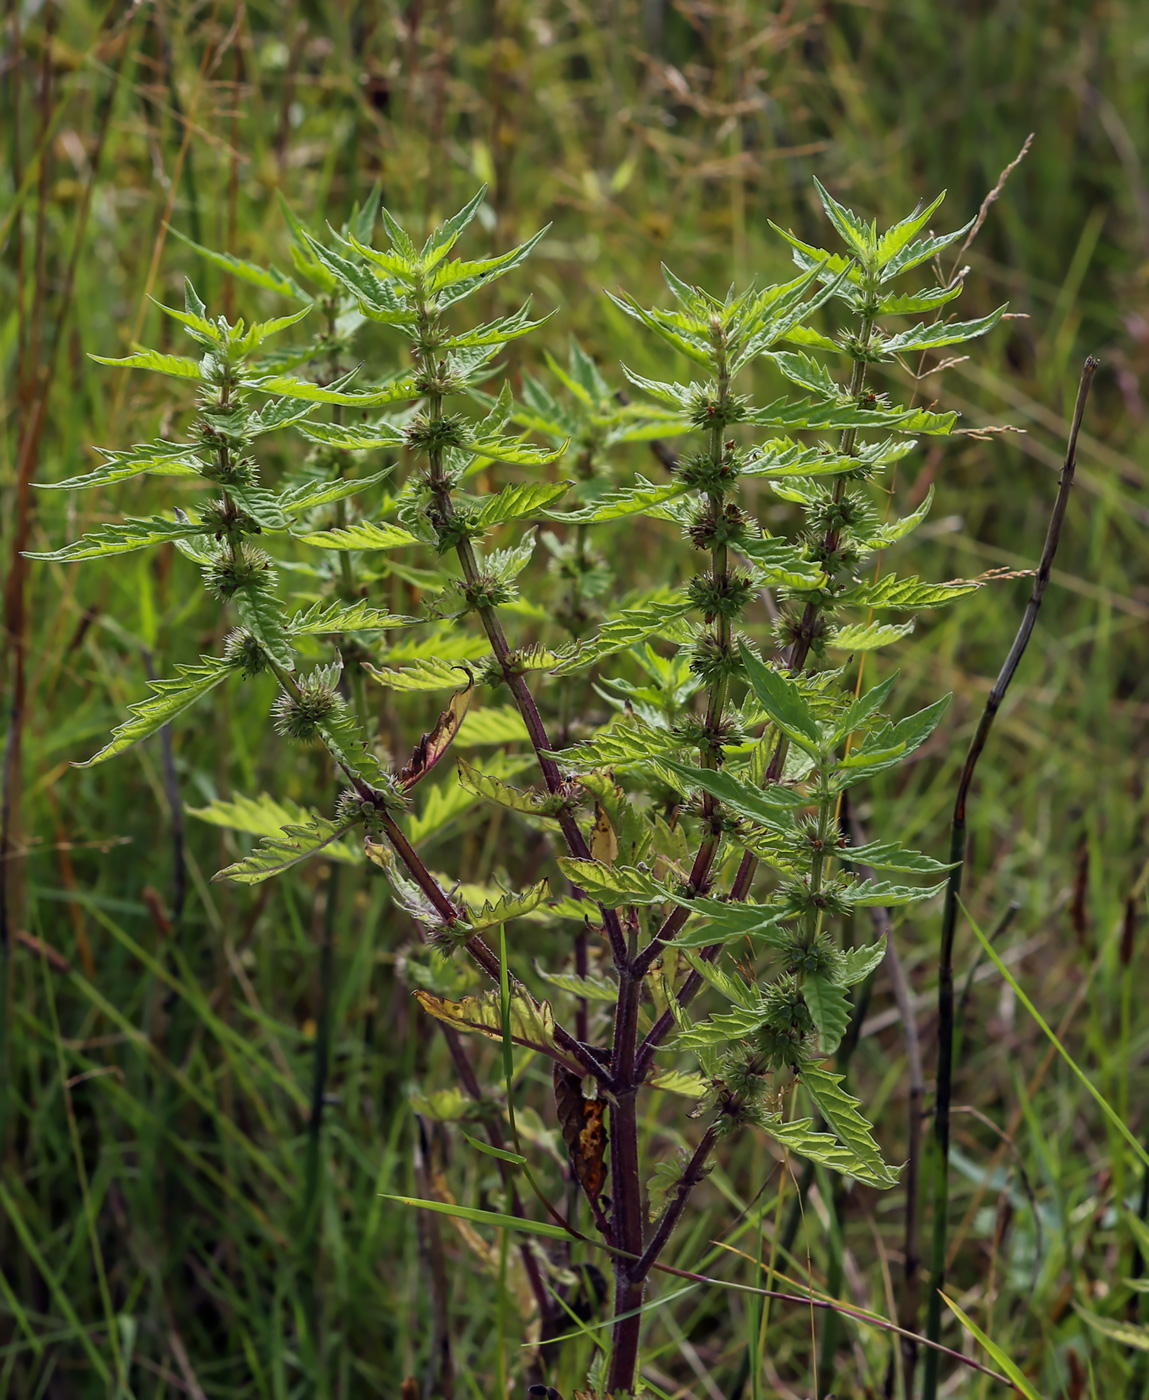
x=158 y=1047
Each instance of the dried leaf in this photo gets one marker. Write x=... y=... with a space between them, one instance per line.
x=583 y=1125
x=433 y=745
x=603 y=838
x=532 y=1022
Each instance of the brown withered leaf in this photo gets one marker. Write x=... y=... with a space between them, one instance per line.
x=583 y=1125
x=603 y=837
x=409 y=1390
x=433 y=745
x=532 y=1022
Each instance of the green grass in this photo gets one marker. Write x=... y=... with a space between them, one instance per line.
x=161 y=1230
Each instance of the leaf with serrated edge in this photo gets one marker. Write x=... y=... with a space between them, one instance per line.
x=840 y=1111
x=511 y=906
x=172 y=695
x=275 y=854
x=859 y=962
x=268 y=816
x=346 y=617
x=612 y=885
x=365 y=534
x=532 y=1022
x=589 y=988
x=830 y=1010
x=435 y=743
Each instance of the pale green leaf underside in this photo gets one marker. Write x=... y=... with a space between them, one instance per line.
x=171 y=696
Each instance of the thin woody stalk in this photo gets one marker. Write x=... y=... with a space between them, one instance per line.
x=953 y=890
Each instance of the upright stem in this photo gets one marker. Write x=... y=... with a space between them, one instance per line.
x=953 y=892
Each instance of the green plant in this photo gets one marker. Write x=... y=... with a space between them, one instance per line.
x=727 y=761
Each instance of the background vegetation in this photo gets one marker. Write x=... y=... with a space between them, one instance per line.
x=171 y=1208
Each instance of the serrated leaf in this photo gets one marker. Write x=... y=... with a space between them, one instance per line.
x=270 y=278
x=939 y=333
x=783 y=564
x=910 y=303
x=802 y=416
x=275 y=854
x=261 y=612
x=178 y=366
x=771 y=806
x=364 y=534
x=867 y=636
x=422 y=674
x=905 y=594
x=589 y=988
x=159 y=458
x=854 y=232
x=829 y=1008
x=623 y=630
x=690 y=1084
x=784 y=702
x=880 y=895
x=321 y=493
x=726 y=921
x=504 y=794
x=889 y=855
x=840 y=1110
x=863 y=708
x=809 y=373
x=920 y=251
x=895 y=530
x=319 y=620
x=121 y=538
x=513 y=451
x=720 y=1029
x=800 y=1136
x=532 y=1022
x=287 y=386
x=518 y=502
x=732 y=988
x=858 y=963
x=898 y=235
x=510 y=906
x=612 y=885
x=616 y=505
x=171 y=696
x=492 y=724
x=268 y=816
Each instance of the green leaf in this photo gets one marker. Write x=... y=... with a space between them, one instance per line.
x=905 y=594
x=495 y=790
x=513 y=451
x=336 y=617
x=784 y=702
x=799 y=1136
x=171 y=696
x=830 y=1009
x=1004 y=1360
x=625 y=629
x=811 y=374
x=880 y=895
x=616 y=505
x=176 y=365
x=910 y=303
x=859 y=962
x=898 y=235
x=889 y=855
x=690 y=1085
x=589 y=988
x=867 y=636
x=161 y=458
x=854 y=232
x=492 y=724
x=422 y=674
x=442 y=239
x=939 y=333
x=287 y=386
x=121 y=538
x=268 y=816
x=896 y=530
x=442 y=805
x=920 y=251
x=840 y=1110
x=770 y=806
x=724 y=922
x=270 y=278
x=275 y=854
x=518 y=502
x=516 y=1159
x=484 y=1217
x=802 y=416
x=364 y=534
x=732 y=988
x=261 y=612
x=783 y=565
x=510 y=906
x=861 y=709
x=612 y=885
x=322 y=493
x=720 y=1029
